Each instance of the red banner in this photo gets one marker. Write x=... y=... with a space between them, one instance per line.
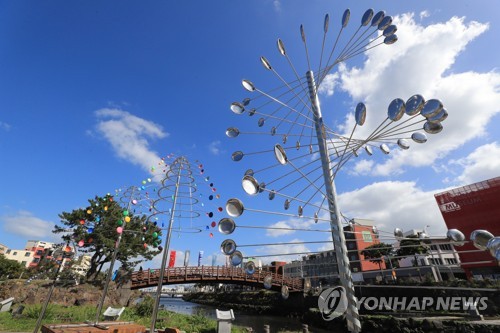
x=171 y=262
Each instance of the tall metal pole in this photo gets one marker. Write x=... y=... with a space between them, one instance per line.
x=111 y=266
x=352 y=315
x=166 y=249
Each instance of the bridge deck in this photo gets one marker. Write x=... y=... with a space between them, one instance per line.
x=220 y=274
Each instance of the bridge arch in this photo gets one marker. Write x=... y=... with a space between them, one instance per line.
x=216 y=274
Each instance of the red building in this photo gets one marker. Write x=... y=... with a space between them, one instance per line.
x=469 y=208
x=359 y=235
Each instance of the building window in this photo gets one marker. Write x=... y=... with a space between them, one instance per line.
x=23 y=263
x=39 y=252
x=14 y=253
x=434 y=248
x=446 y=247
x=451 y=261
x=8 y=251
x=27 y=254
x=36 y=260
x=367 y=236
x=422 y=261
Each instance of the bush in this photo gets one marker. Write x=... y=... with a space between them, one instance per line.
x=33 y=312
x=145 y=307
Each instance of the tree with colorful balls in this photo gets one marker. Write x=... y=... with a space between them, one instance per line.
x=96 y=228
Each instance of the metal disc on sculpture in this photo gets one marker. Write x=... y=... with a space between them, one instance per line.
x=355 y=153
x=265 y=63
x=251 y=112
x=248 y=85
x=432 y=128
x=232 y=132
x=390 y=30
x=316 y=217
x=250 y=185
x=385 y=149
x=300 y=211
x=234 y=207
x=480 y=238
x=398 y=233
x=262 y=186
x=261 y=122
x=236 y=258
x=396 y=109
x=281 y=47
x=493 y=245
x=250 y=267
x=346 y=17
x=424 y=238
x=285 y=138
x=326 y=22
x=390 y=39
x=360 y=114
x=386 y=21
x=246 y=101
x=237 y=156
x=237 y=108
x=226 y=226
x=297 y=145
x=367 y=17
x=414 y=105
x=272 y=194
x=273 y=130
x=280 y=154
x=441 y=116
x=403 y=144
x=431 y=108
x=284 y=292
x=249 y=172
x=456 y=237
x=286 y=205
x=378 y=18
x=369 y=150
x=302 y=33
x=419 y=137
x=228 y=247
x=268 y=281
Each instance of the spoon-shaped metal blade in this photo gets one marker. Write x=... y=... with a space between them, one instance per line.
x=226 y=226
x=237 y=107
x=237 y=156
x=386 y=21
x=280 y=154
x=480 y=238
x=432 y=128
x=265 y=63
x=378 y=18
x=414 y=105
x=248 y=85
x=431 y=108
x=234 y=207
x=456 y=237
x=419 y=137
x=326 y=23
x=250 y=185
x=367 y=16
x=360 y=114
x=228 y=247
x=396 y=109
x=403 y=144
x=232 y=132
x=345 y=17
x=236 y=258
x=281 y=47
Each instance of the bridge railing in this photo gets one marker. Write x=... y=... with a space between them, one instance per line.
x=223 y=274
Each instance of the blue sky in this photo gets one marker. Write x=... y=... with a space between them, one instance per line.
x=93 y=93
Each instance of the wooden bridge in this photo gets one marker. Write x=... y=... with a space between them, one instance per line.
x=215 y=274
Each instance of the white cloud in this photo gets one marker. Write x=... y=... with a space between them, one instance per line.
x=483 y=163
x=282 y=252
x=277 y=5
x=420 y=62
x=4 y=126
x=424 y=14
x=128 y=136
x=214 y=147
x=393 y=204
x=363 y=167
x=27 y=225
x=329 y=83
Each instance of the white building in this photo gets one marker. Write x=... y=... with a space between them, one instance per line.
x=22 y=256
x=441 y=256
x=82 y=264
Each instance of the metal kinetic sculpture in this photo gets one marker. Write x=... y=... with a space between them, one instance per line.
x=314 y=152
x=178 y=198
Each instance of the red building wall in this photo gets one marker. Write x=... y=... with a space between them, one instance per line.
x=469 y=208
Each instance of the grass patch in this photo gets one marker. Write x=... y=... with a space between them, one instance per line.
x=58 y=314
